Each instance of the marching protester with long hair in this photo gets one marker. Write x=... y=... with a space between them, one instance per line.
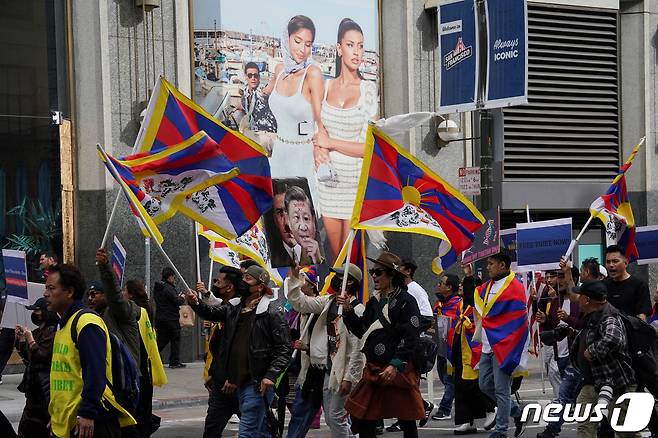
x=389 y=330
x=150 y=364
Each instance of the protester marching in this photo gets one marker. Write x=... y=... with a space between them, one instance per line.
x=316 y=318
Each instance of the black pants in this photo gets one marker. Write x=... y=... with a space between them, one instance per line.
x=6 y=346
x=35 y=419
x=220 y=409
x=366 y=429
x=169 y=331
x=145 y=407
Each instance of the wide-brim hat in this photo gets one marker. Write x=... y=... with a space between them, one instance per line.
x=388 y=260
x=352 y=270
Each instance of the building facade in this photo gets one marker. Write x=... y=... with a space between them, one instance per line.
x=592 y=93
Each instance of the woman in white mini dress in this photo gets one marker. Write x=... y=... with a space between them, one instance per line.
x=349 y=103
x=295 y=97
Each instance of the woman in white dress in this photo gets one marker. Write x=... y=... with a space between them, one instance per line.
x=295 y=97
x=349 y=103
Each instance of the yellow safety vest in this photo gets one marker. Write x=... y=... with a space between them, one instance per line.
x=206 y=365
x=66 y=378
x=149 y=339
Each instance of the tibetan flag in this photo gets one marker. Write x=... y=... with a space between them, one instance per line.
x=140 y=203
x=505 y=322
x=118 y=260
x=357 y=257
x=399 y=193
x=230 y=208
x=613 y=208
x=471 y=350
x=172 y=175
x=251 y=245
x=450 y=310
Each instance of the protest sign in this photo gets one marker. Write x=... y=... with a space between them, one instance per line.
x=540 y=245
x=487 y=238
x=646 y=240
x=508 y=243
x=15 y=275
x=16 y=314
x=118 y=260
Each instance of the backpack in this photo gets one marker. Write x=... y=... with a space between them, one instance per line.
x=125 y=377
x=425 y=354
x=641 y=340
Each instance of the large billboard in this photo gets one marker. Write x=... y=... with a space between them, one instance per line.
x=301 y=79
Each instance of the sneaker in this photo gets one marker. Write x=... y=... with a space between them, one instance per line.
x=177 y=365
x=429 y=407
x=465 y=429
x=395 y=427
x=490 y=420
x=379 y=430
x=546 y=434
x=519 y=427
x=440 y=416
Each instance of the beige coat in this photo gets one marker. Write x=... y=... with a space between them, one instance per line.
x=349 y=361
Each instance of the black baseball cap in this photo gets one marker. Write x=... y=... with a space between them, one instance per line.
x=40 y=304
x=594 y=289
x=96 y=286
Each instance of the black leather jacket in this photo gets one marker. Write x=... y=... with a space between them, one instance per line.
x=269 y=349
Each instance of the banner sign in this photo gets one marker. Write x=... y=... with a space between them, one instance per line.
x=118 y=260
x=458 y=43
x=646 y=240
x=15 y=275
x=508 y=243
x=507 y=43
x=15 y=313
x=487 y=238
x=540 y=245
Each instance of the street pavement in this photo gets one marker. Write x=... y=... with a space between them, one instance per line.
x=182 y=406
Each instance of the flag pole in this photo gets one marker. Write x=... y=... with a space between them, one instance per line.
x=141 y=218
x=109 y=222
x=210 y=271
x=573 y=243
x=350 y=240
x=147 y=265
x=541 y=347
x=198 y=256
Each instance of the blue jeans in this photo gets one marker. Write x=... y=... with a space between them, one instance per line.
x=252 y=411
x=449 y=388
x=569 y=388
x=497 y=385
x=303 y=415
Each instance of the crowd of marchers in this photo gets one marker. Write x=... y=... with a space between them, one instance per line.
x=292 y=352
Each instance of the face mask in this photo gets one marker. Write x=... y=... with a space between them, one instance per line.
x=245 y=289
x=36 y=319
x=216 y=290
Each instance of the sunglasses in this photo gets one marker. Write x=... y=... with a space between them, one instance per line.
x=253 y=75
x=376 y=272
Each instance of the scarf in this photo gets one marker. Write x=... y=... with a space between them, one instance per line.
x=290 y=66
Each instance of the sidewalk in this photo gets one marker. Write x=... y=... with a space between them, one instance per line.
x=185 y=388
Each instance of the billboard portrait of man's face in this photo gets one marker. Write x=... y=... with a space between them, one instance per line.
x=291 y=226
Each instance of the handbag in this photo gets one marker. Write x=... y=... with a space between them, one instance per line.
x=186 y=316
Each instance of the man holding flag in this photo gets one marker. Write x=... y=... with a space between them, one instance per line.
x=501 y=309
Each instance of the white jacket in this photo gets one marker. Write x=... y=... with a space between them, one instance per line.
x=348 y=362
